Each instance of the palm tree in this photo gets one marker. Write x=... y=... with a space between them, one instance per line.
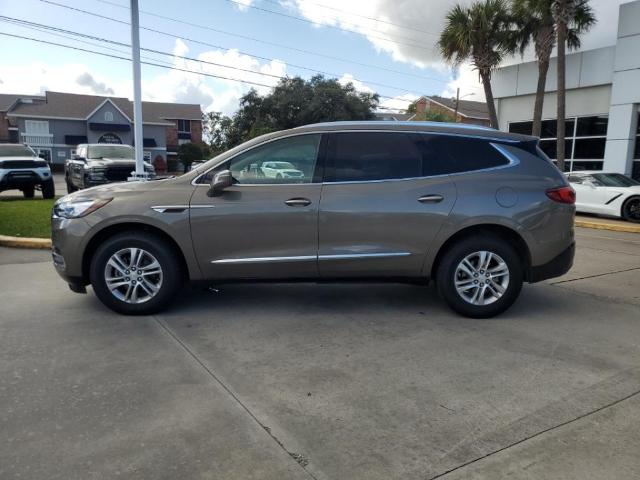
x=567 y=15
x=535 y=22
x=479 y=34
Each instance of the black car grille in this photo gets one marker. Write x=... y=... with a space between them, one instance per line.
x=118 y=174
x=22 y=164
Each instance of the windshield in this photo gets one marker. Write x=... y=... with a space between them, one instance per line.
x=614 y=180
x=111 y=151
x=16 y=151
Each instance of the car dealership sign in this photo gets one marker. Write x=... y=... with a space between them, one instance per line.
x=110 y=138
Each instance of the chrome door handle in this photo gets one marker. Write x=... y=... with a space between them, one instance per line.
x=431 y=199
x=298 y=202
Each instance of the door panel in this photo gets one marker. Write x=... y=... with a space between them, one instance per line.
x=251 y=232
x=380 y=228
x=261 y=227
x=379 y=210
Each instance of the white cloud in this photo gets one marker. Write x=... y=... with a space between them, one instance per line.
x=157 y=85
x=468 y=81
x=36 y=77
x=217 y=94
x=399 y=103
x=361 y=87
x=243 y=5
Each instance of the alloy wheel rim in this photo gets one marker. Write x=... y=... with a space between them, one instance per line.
x=133 y=275
x=481 y=278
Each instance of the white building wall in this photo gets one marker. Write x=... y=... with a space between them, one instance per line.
x=580 y=102
x=625 y=95
x=604 y=81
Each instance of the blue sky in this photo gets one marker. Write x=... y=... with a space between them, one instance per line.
x=411 y=26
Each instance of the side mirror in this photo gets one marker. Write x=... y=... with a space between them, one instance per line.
x=221 y=181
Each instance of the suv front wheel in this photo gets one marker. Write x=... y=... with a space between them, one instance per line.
x=480 y=277
x=135 y=273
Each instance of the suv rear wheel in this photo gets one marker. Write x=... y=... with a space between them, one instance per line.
x=135 y=273
x=480 y=277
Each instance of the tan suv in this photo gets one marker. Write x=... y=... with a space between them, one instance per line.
x=477 y=210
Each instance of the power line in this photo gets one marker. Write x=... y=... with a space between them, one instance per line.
x=288 y=47
x=336 y=27
x=64 y=32
x=93 y=52
x=375 y=19
x=220 y=77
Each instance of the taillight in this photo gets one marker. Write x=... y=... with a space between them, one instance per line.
x=562 y=195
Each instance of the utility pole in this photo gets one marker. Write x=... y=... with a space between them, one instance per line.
x=139 y=173
x=455 y=115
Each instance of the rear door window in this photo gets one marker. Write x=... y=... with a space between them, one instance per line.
x=371 y=156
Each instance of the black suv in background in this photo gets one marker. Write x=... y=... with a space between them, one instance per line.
x=21 y=169
x=100 y=163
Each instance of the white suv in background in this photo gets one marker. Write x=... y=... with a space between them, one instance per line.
x=21 y=169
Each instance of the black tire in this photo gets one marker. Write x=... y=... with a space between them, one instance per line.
x=446 y=275
x=48 y=189
x=631 y=210
x=29 y=192
x=172 y=278
x=70 y=187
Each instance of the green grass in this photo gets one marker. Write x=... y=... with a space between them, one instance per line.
x=25 y=218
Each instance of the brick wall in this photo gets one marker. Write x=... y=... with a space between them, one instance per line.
x=424 y=106
x=172 y=134
x=196 y=131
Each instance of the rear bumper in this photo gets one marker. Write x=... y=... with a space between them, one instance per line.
x=555 y=268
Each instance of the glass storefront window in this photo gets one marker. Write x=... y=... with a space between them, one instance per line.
x=586 y=139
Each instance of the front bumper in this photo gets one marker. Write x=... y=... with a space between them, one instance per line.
x=67 y=238
x=17 y=179
x=555 y=268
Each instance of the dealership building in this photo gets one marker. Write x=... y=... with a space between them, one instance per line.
x=603 y=101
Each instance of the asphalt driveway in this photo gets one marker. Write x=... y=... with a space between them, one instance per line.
x=324 y=381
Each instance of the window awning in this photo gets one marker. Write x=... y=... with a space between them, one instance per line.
x=110 y=127
x=75 y=139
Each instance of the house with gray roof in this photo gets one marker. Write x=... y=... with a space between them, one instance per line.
x=54 y=124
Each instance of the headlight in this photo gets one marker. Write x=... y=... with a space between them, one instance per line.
x=78 y=208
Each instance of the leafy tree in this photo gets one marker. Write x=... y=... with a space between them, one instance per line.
x=190 y=152
x=480 y=34
x=293 y=102
x=536 y=24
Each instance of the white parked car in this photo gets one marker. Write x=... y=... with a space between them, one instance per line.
x=604 y=193
x=281 y=170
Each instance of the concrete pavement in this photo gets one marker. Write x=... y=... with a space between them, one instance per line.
x=325 y=381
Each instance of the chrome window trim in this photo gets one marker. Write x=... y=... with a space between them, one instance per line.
x=345 y=256
x=323 y=132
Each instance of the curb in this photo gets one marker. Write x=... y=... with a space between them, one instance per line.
x=20 y=242
x=608 y=226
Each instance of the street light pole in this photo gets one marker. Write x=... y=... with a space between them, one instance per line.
x=139 y=173
x=455 y=115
